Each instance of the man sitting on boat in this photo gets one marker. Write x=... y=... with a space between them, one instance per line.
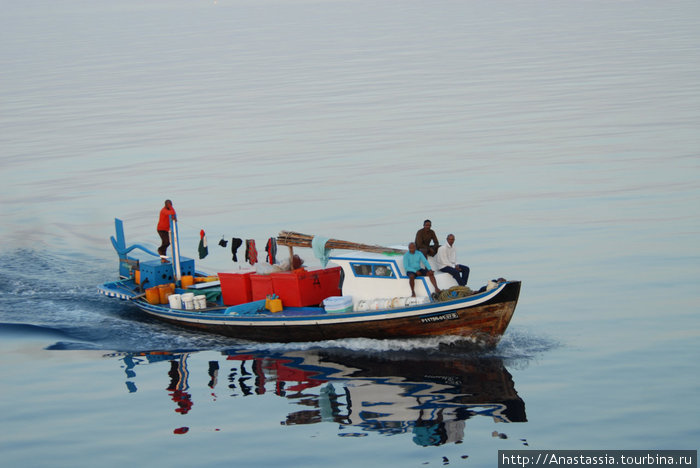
x=446 y=259
x=415 y=264
x=426 y=240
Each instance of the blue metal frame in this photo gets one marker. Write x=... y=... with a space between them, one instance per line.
x=119 y=243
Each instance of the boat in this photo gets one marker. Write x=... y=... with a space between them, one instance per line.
x=361 y=292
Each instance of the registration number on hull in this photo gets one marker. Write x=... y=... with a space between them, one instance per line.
x=440 y=318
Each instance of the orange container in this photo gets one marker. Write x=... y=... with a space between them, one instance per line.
x=235 y=288
x=137 y=276
x=153 y=295
x=187 y=281
x=164 y=290
x=306 y=288
x=260 y=286
x=205 y=279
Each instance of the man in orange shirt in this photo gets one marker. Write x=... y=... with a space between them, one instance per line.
x=164 y=228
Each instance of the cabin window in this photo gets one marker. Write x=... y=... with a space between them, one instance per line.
x=381 y=270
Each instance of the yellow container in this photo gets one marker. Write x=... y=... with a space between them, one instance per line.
x=206 y=279
x=153 y=295
x=273 y=305
x=187 y=281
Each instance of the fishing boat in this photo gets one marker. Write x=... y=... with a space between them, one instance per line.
x=362 y=291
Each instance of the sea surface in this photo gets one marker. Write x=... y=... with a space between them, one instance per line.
x=558 y=140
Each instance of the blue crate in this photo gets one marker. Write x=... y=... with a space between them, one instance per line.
x=154 y=273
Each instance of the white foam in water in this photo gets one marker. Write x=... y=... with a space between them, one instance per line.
x=367 y=344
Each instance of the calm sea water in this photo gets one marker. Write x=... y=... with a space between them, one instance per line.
x=559 y=142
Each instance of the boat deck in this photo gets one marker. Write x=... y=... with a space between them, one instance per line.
x=127 y=290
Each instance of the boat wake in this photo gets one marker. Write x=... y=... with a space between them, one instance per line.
x=23 y=331
x=515 y=345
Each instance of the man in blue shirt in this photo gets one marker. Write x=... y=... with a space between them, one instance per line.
x=415 y=264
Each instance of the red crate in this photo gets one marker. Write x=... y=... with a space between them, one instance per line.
x=236 y=288
x=303 y=288
x=261 y=286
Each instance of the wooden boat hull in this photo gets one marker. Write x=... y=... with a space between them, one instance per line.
x=483 y=317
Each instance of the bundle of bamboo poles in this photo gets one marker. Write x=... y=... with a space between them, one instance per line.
x=295 y=239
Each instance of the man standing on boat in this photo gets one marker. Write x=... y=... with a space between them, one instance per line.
x=426 y=240
x=446 y=259
x=164 y=228
x=415 y=264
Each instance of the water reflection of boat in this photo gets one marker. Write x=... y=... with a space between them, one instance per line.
x=431 y=398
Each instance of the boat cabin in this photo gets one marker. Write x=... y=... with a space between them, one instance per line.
x=369 y=276
x=374 y=281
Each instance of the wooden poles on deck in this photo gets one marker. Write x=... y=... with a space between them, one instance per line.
x=295 y=239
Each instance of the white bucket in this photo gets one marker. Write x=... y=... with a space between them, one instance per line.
x=187 y=296
x=175 y=301
x=187 y=301
x=200 y=302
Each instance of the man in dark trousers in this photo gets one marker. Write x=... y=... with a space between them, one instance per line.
x=415 y=264
x=447 y=261
x=164 y=228
x=426 y=240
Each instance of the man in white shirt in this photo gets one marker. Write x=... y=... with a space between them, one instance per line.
x=446 y=259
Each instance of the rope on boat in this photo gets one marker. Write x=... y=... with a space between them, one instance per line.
x=455 y=292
